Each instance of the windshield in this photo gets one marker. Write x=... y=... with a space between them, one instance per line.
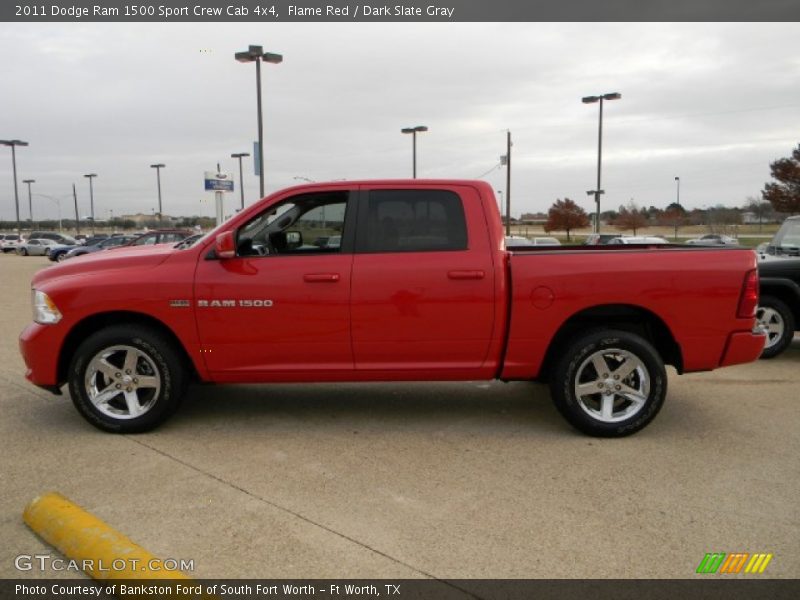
x=787 y=239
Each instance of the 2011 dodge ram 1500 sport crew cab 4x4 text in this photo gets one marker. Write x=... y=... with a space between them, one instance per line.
x=418 y=287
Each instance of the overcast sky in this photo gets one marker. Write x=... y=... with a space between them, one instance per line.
x=710 y=103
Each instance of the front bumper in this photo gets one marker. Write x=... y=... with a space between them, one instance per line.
x=40 y=346
x=743 y=347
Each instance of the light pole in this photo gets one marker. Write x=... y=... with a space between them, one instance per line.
x=678 y=181
x=91 y=176
x=500 y=202
x=158 y=168
x=30 y=199
x=58 y=204
x=599 y=190
x=256 y=54
x=240 y=155
x=14 y=144
x=414 y=131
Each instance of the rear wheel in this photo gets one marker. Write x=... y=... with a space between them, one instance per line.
x=609 y=383
x=61 y=256
x=777 y=319
x=126 y=379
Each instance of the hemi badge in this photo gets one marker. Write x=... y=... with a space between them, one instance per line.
x=179 y=303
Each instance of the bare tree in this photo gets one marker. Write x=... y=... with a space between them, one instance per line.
x=760 y=208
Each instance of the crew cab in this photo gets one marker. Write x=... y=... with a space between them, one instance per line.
x=420 y=287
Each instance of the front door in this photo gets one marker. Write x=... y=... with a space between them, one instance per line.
x=281 y=306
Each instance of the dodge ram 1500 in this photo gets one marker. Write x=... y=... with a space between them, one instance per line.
x=387 y=281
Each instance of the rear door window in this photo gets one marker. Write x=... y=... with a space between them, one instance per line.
x=412 y=221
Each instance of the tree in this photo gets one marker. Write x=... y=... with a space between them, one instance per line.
x=761 y=209
x=565 y=215
x=630 y=217
x=674 y=216
x=785 y=194
x=721 y=219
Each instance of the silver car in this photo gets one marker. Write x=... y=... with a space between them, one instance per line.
x=35 y=247
x=713 y=239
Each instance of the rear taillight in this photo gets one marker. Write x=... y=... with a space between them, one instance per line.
x=748 y=302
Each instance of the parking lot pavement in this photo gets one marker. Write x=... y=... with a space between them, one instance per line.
x=453 y=480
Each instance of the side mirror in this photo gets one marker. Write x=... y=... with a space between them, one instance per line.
x=224 y=245
x=294 y=239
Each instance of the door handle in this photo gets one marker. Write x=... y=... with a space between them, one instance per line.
x=466 y=274
x=321 y=277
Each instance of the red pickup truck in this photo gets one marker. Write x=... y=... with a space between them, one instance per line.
x=387 y=281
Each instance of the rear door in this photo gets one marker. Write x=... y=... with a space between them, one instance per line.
x=422 y=283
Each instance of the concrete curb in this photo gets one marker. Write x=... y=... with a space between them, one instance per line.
x=99 y=550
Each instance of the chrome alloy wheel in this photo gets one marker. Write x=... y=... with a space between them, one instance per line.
x=770 y=321
x=122 y=382
x=612 y=385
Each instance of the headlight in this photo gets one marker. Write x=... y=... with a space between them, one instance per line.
x=45 y=310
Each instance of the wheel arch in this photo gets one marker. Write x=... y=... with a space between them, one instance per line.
x=86 y=327
x=624 y=317
x=786 y=292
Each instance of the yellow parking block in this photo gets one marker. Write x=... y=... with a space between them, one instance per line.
x=99 y=550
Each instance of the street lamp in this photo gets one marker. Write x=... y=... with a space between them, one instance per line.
x=91 y=176
x=158 y=168
x=598 y=190
x=414 y=131
x=256 y=54
x=30 y=199
x=678 y=181
x=58 y=204
x=14 y=144
x=240 y=155
x=500 y=202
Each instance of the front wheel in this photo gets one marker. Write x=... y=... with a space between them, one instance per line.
x=609 y=383
x=777 y=319
x=126 y=379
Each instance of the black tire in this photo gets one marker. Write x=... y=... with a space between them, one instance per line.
x=622 y=414
x=61 y=257
x=775 y=313
x=24 y=252
x=156 y=359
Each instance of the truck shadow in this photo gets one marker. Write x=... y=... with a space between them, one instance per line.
x=373 y=406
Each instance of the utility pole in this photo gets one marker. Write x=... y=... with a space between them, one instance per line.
x=508 y=182
x=77 y=216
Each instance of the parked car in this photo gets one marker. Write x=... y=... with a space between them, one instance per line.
x=786 y=241
x=595 y=239
x=160 y=236
x=9 y=241
x=59 y=252
x=517 y=241
x=35 y=247
x=779 y=304
x=639 y=239
x=60 y=238
x=713 y=239
x=106 y=244
x=420 y=288
x=546 y=241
